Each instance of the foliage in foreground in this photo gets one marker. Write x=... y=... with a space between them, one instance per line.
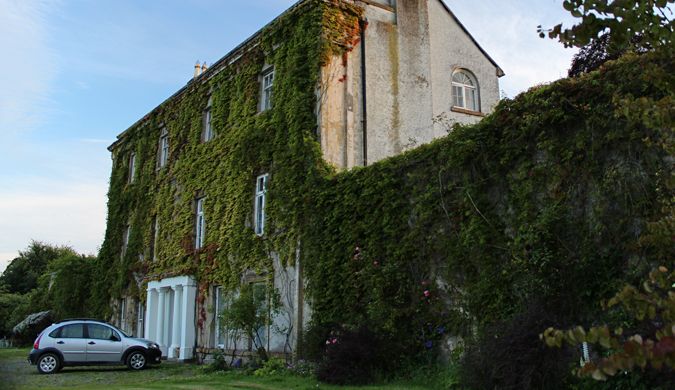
x=652 y=20
x=648 y=344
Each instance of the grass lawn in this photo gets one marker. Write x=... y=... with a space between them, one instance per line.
x=17 y=373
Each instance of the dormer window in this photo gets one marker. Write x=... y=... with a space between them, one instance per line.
x=267 y=87
x=465 y=91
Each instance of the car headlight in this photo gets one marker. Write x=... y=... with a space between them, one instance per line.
x=153 y=345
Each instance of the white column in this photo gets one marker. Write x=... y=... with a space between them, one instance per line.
x=177 y=322
x=166 y=341
x=161 y=314
x=151 y=315
x=187 y=337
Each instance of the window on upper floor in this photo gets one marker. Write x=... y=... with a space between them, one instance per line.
x=163 y=152
x=125 y=241
x=207 y=128
x=132 y=167
x=465 y=91
x=200 y=223
x=267 y=89
x=260 y=202
x=154 y=235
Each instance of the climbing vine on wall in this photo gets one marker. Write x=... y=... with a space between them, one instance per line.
x=550 y=199
x=247 y=143
x=558 y=196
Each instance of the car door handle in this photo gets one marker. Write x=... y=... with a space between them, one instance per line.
x=60 y=342
x=91 y=343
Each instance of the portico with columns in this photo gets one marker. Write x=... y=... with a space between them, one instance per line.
x=170 y=316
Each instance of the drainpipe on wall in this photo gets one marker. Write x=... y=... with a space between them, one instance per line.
x=364 y=120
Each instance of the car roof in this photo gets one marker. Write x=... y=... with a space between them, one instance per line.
x=80 y=319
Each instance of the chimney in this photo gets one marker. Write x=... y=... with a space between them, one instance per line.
x=204 y=67
x=198 y=70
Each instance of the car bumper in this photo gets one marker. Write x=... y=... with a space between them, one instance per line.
x=154 y=356
x=33 y=356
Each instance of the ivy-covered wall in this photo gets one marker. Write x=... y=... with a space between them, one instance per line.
x=280 y=141
x=555 y=198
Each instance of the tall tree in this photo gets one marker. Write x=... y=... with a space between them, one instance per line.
x=652 y=20
x=21 y=275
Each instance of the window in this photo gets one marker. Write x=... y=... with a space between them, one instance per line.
x=154 y=233
x=102 y=332
x=72 y=331
x=464 y=91
x=207 y=132
x=200 y=225
x=132 y=167
x=125 y=240
x=163 y=157
x=140 y=320
x=123 y=314
x=267 y=87
x=260 y=201
x=220 y=305
x=261 y=301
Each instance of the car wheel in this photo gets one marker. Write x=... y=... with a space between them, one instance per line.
x=136 y=360
x=48 y=363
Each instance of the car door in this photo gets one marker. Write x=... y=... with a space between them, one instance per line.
x=71 y=342
x=104 y=344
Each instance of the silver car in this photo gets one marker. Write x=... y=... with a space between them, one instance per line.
x=84 y=342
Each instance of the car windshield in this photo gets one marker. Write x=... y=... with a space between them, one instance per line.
x=121 y=331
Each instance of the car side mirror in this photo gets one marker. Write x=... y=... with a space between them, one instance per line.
x=115 y=337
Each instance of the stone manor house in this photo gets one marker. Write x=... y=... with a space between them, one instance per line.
x=414 y=62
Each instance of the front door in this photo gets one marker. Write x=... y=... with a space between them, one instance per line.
x=103 y=344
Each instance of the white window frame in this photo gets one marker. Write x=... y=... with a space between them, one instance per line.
x=140 y=319
x=155 y=237
x=267 y=89
x=466 y=91
x=260 y=201
x=217 y=312
x=125 y=241
x=163 y=157
x=207 y=131
x=200 y=223
x=123 y=314
x=132 y=167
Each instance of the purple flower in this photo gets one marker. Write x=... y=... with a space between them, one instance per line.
x=428 y=344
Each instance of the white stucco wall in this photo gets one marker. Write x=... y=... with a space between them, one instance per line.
x=411 y=53
x=452 y=48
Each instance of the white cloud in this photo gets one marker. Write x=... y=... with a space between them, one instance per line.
x=6 y=258
x=28 y=65
x=512 y=41
x=53 y=212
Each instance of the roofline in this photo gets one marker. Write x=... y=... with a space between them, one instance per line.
x=213 y=70
x=500 y=72
x=217 y=66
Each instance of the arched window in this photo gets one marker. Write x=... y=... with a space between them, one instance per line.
x=465 y=91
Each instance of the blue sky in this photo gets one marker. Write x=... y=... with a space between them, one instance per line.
x=75 y=73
